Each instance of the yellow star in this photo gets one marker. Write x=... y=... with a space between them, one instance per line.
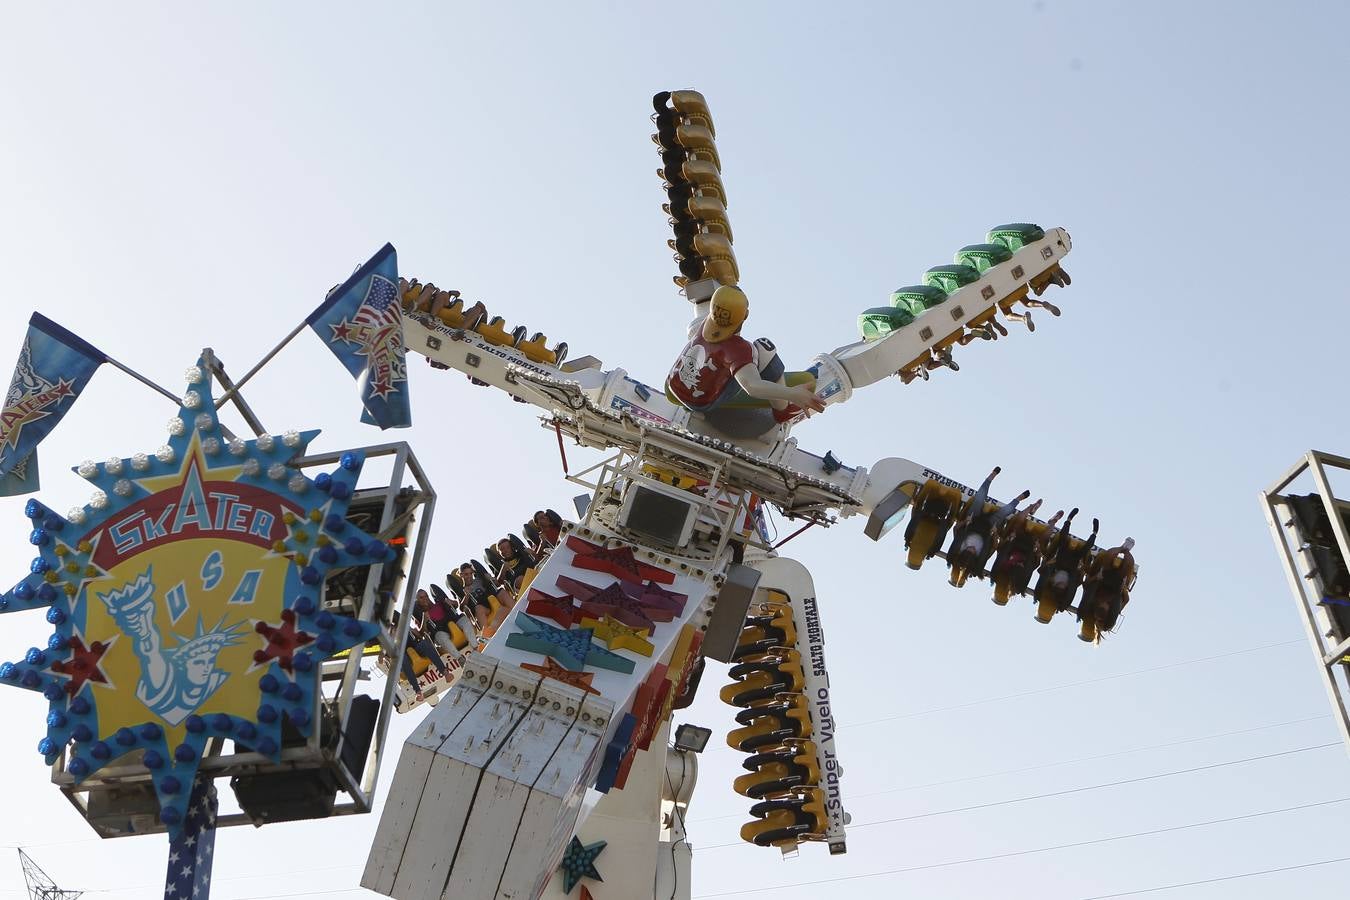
x=194 y=455
x=618 y=636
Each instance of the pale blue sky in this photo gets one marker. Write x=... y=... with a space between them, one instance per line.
x=173 y=177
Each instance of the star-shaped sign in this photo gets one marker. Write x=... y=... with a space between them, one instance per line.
x=613 y=600
x=175 y=553
x=578 y=862
x=560 y=609
x=551 y=669
x=618 y=636
x=570 y=646
x=616 y=561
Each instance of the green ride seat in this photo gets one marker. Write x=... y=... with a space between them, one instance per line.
x=1016 y=235
x=917 y=297
x=983 y=256
x=879 y=321
x=951 y=278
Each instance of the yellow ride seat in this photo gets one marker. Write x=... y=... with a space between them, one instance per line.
x=536 y=349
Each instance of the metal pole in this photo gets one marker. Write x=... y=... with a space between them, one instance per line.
x=262 y=362
x=232 y=389
x=143 y=380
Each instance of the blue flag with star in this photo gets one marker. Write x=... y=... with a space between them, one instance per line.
x=54 y=366
x=361 y=322
x=189 y=872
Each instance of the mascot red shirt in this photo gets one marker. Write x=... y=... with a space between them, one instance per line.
x=705 y=373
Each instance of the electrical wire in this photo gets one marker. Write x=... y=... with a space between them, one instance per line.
x=1071 y=684
x=1056 y=764
x=1077 y=790
x=1028 y=852
x=1168 y=887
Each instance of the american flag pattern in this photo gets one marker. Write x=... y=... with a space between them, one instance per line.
x=190 y=853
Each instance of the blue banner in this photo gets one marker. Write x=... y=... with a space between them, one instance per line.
x=54 y=366
x=361 y=321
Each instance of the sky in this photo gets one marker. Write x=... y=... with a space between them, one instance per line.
x=175 y=177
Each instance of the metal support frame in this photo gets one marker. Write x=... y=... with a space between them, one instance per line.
x=346 y=672
x=605 y=477
x=1329 y=645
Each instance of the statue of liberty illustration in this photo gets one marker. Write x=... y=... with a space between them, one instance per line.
x=175 y=681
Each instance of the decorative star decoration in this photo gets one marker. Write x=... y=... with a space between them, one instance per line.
x=597 y=602
x=569 y=646
x=616 y=561
x=578 y=862
x=655 y=596
x=550 y=669
x=618 y=636
x=187 y=535
x=560 y=609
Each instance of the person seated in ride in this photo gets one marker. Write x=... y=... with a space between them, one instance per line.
x=973 y=536
x=1019 y=549
x=548 y=526
x=516 y=562
x=478 y=590
x=1063 y=570
x=425 y=648
x=1106 y=590
x=720 y=374
x=437 y=616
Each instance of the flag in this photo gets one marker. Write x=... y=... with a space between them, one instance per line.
x=189 y=872
x=361 y=321
x=54 y=366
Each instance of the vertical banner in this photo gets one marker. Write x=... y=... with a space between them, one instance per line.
x=54 y=366
x=190 y=851
x=361 y=322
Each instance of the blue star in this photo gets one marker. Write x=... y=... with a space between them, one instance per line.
x=570 y=646
x=578 y=862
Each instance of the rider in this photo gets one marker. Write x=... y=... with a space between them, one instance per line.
x=1019 y=550
x=973 y=535
x=1062 y=571
x=1106 y=590
x=718 y=365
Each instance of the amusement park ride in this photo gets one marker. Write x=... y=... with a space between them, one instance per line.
x=546 y=762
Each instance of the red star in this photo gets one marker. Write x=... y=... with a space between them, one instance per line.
x=281 y=642
x=63 y=390
x=655 y=595
x=82 y=665
x=614 y=602
x=559 y=609
x=551 y=669
x=618 y=562
x=342 y=331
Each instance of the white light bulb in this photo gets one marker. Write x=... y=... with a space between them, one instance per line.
x=99 y=500
x=291 y=438
x=238 y=447
x=211 y=446
x=140 y=462
x=113 y=466
x=165 y=454
x=192 y=400
x=193 y=375
x=266 y=442
x=122 y=487
x=87 y=469
x=177 y=426
x=276 y=471
x=204 y=422
x=76 y=515
x=298 y=483
x=250 y=467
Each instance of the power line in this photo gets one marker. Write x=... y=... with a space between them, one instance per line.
x=1050 y=765
x=1168 y=887
x=1077 y=790
x=1013 y=853
x=1071 y=684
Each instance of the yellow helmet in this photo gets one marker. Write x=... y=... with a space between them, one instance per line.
x=726 y=313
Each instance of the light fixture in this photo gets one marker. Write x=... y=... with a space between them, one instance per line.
x=692 y=737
